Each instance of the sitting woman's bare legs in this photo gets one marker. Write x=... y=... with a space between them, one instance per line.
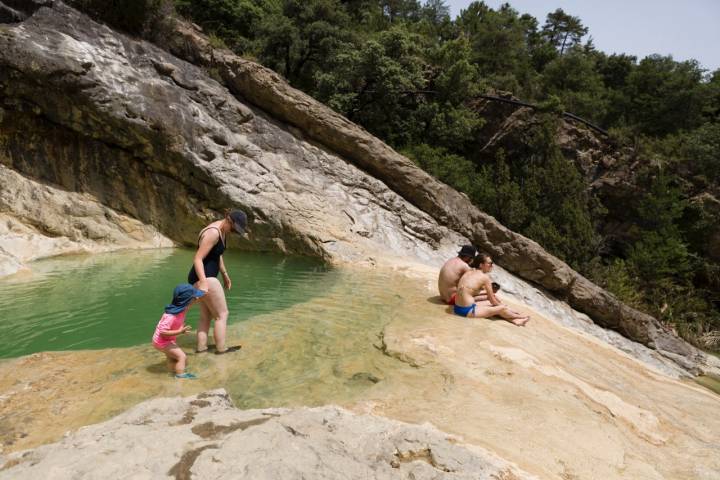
x=484 y=311
x=214 y=307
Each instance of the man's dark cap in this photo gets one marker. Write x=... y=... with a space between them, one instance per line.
x=467 y=251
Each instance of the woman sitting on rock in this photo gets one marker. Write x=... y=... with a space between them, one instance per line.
x=470 y=286
x=207 y=264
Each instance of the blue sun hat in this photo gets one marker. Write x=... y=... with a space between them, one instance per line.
x=182 y=296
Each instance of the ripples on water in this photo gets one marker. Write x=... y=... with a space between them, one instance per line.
x=115 y=300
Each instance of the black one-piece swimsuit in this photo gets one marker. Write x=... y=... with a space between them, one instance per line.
x=211 y=262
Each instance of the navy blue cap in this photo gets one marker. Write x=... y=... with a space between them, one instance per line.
x=239 y=221
x=182 y=296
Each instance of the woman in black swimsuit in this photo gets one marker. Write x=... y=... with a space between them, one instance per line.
x=207 y=264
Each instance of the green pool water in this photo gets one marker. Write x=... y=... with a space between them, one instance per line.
x=711 y=383
x=115 y=299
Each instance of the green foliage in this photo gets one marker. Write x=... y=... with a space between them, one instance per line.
x=711 y=108
x=661 y=252
x=399 y=10
x=700 y=150
x=500 y=195
x=552 y=104
x=664 y=96
x=458 y=78
x=573 y=78
x=499 y=42
x=543 y=196
x=563 y=31
x=443 y=124
x=620 y=278
x=377 y=85
x=657 y=257
x=304 y=39
x=231 y=21
x=562 y=211
x=451 y=169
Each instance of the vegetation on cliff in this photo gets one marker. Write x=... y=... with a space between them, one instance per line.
x=411 y=75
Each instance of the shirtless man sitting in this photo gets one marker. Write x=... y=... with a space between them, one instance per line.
x=451 y=272
x=470 y=285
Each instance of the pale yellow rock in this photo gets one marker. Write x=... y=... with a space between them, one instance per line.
x=555 y=401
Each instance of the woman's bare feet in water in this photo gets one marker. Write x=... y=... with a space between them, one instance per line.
x=520 y=322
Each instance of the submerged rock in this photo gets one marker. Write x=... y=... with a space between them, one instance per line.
x=204 y=436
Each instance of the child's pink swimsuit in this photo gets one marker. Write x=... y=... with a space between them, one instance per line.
x=167 y=322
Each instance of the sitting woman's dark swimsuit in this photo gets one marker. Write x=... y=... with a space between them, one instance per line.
x=211 y=262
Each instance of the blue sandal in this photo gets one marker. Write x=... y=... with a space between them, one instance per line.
x=185 y=375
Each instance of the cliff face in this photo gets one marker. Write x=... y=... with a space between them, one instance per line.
x=140 y=131
x=39 y=220
x=91 y=111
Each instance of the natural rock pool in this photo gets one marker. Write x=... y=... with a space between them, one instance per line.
x=82 y=326
x=115 y=299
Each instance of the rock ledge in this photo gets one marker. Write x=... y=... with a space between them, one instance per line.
x=205 y=436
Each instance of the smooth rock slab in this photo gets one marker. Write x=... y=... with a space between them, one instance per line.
x=205 y=436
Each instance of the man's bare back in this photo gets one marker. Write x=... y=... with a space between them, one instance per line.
x=450 y=274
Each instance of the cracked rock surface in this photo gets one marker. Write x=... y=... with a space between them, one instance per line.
x=204 y=436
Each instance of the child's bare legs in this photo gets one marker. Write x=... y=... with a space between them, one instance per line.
x=482 y=311
x=176 y=358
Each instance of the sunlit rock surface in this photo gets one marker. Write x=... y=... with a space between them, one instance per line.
x=120 y=129
x=206 y=437
x=555 y=401
x=154 y=137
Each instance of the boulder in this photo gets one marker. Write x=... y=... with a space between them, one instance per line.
x=205 y=436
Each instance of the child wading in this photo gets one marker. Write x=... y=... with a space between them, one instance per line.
x=172 y=323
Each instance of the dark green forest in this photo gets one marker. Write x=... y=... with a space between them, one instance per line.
x=412 y=76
